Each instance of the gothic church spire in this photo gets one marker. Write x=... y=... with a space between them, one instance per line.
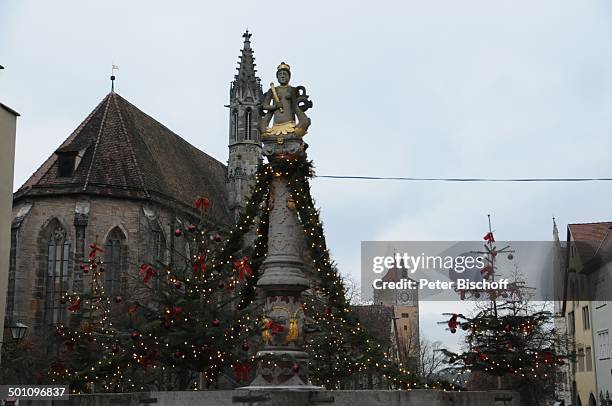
x=246 y=96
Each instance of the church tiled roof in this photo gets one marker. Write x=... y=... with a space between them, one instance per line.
x=122 y=152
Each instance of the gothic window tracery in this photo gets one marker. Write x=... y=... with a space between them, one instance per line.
x=247 y=124
x=58 y=254
x=235 y=125
x=114 y=261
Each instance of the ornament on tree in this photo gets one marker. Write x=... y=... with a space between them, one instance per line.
x=191 y=228
x=243 y=268
x=75 y=304
x=178 y=232
x=216 y=322
x=132 y=309
x=147 y=272
x=94 y=249
x=202 y=203
x=199 y=265
x=486 y=272
x=171 y=314
x=452 y=323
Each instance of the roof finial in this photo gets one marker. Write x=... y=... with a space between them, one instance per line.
x=247 y=39
x=112 y=78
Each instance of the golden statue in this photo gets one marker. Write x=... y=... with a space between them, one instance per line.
x=284 y=103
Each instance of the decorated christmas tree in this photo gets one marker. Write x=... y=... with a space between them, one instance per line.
x=510 y=340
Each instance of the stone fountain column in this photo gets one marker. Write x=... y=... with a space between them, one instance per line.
x=283 y=280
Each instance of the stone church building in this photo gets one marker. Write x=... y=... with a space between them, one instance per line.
x=126 y=182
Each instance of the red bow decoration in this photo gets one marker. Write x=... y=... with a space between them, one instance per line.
x=171 y=313
x=243 y=267
x=549 y=357
x=486 y=272
x=75 y=304
x=489 y=237
x=462 y=294
x=202 y=203
x=147 y=360
x=452 y=323
x=274 y=327
x=242 y=372
x=148 y=272
x=199 y=264
x=132 y=309
x=94 y=251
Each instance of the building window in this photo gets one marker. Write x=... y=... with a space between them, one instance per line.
x=247 y=125
x=405 y=328
x=114 y=261
x=586 y=324
x=405 y=315
x=58 y=253
x=580 y=358
x=571 y=323
x=235 y=125
x=603 y=344
x=65 y=164
x=588 y=359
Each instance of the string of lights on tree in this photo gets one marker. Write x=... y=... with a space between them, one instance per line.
x=200 y=319
x=508 y=336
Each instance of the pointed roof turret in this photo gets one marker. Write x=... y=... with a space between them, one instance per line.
x=246 y=84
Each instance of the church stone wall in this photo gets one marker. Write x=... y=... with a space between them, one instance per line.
x=149 y=237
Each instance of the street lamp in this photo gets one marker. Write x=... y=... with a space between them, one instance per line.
x=18 y=330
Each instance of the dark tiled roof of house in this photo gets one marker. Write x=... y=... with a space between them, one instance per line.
x=588 y=238
x=123 y=152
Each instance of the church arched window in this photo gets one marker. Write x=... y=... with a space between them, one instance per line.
x=247 y=124
x=114 y=261
x=235 y=125
x=56 y=284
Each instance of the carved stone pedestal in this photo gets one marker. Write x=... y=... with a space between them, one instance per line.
x=282 y=362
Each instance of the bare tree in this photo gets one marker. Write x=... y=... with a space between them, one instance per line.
x=431 y=359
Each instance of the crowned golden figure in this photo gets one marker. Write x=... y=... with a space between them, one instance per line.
x=284 y=103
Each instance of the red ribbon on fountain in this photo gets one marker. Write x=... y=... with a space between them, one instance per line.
x=489 y=237
x=274 y=327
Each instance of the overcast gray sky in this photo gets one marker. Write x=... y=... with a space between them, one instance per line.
x=400 y=88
